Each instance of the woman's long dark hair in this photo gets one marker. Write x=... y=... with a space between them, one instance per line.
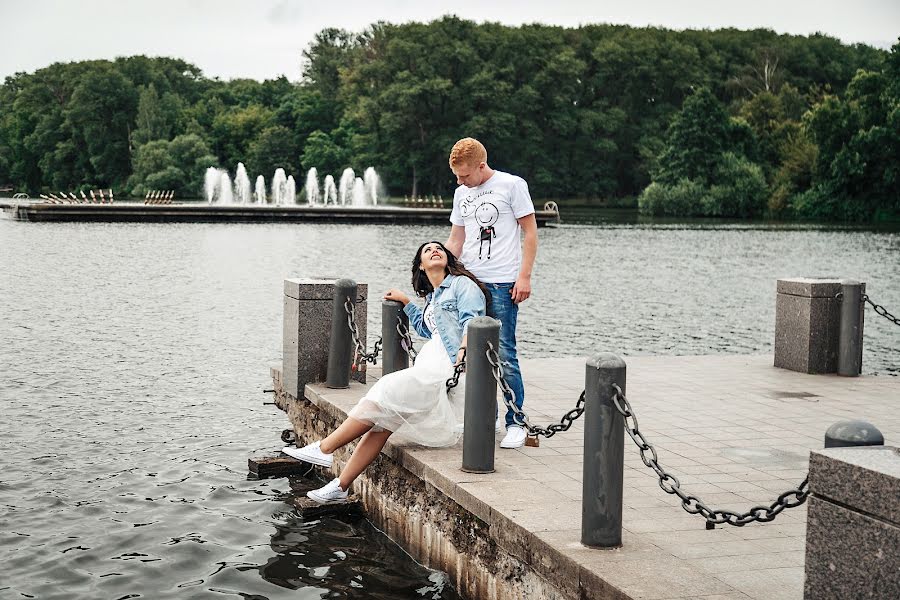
x=422 y=285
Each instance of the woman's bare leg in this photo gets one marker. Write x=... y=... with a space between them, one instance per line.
x=366 y=451
x=348 y=431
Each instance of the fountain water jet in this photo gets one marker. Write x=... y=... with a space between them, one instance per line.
x=312 y=186
x=329 y=195
x=260 y=190
x=241 y=185
x=359 y=192
x=211 y=183
x=373 y=185
x=290 y=191
x=345 y=189
x=279 y=181
x=225 y=196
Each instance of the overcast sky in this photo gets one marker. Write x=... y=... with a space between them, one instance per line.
x=262 y=39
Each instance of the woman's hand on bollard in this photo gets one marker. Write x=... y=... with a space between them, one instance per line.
x=395 y=294
x=460 y=356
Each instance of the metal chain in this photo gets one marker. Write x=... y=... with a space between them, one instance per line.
x=457 y=371
x=519 y=416
x=360 y=355
x=670 y=484
x=882 y=310
x=406 y=340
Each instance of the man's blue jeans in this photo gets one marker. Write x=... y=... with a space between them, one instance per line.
x=503 y=309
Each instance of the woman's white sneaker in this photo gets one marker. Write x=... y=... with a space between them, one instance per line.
x=515 y=437
x=310 y=454
x=330 y=493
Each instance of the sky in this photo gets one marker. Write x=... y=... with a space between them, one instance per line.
x=263 y=39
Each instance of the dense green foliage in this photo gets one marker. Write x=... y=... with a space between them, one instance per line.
x=719 y=123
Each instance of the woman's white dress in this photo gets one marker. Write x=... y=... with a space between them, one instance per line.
x=413 y=403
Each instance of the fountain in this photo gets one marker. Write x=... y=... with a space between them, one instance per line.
x=260 y=190
x=290 y=191
x=373 y=185
x=329 y=195
x=241 y=185
x=312 y=187
x=279 y=181
x=345 y=190
x=210 y=184
x=225 y=195
x=359 y=192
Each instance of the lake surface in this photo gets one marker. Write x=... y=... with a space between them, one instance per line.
x=133 y=359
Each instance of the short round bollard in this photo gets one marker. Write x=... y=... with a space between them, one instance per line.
x=853 y=433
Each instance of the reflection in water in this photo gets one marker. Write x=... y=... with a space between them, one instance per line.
x=132 y=360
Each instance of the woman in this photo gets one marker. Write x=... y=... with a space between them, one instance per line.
x=413 y=402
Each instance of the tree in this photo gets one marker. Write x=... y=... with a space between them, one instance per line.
x=697 y=137
x=177 y=165
x=274 y=147
x=101 y=113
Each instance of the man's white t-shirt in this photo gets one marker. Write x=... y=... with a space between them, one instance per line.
x=490 y=213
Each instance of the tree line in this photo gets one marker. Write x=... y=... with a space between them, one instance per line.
x=717 y=123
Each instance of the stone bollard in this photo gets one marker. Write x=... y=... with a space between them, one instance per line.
x=849 y=363
x=853 y=523
x=853 y=433
x=808 y=323
x=308 y=306
x=394 y=357
x=481 y=397
x=340 y=343
x=604 y=453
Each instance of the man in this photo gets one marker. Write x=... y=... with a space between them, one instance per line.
x=490 y=209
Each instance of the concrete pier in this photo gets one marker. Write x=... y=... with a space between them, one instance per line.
x=736 y=431
x=200 y=212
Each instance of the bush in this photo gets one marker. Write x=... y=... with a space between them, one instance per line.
x=739 y=189
x=682 y=199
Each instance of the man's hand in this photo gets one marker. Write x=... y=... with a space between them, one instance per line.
x=395 y=294
x=522 y=290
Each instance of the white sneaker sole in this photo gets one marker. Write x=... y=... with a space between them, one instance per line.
x=512 y=446
x=299 y=454
x=312 y=495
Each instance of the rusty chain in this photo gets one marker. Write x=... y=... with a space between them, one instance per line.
x=692 y=504
x=519 y=416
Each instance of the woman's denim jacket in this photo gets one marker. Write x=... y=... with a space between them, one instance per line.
x=456 y=302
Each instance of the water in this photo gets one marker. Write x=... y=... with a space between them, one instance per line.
x=133 y=358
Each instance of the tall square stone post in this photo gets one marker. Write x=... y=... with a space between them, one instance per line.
x=807 y=324
x=853 y=524
x=307 y=329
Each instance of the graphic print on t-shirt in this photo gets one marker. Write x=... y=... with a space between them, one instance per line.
x=486 y=215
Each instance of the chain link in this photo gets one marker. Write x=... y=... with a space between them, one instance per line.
x=881 y=310
x=406 y=340
x=670 y=484
x=360 y=355
x=519 y=416
x=458 y=370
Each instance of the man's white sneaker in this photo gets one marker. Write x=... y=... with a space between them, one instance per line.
x=311 y=454
x=498 y=424
x=330 y=493
x=515 y=437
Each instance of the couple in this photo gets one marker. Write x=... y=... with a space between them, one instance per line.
x=490 y=209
